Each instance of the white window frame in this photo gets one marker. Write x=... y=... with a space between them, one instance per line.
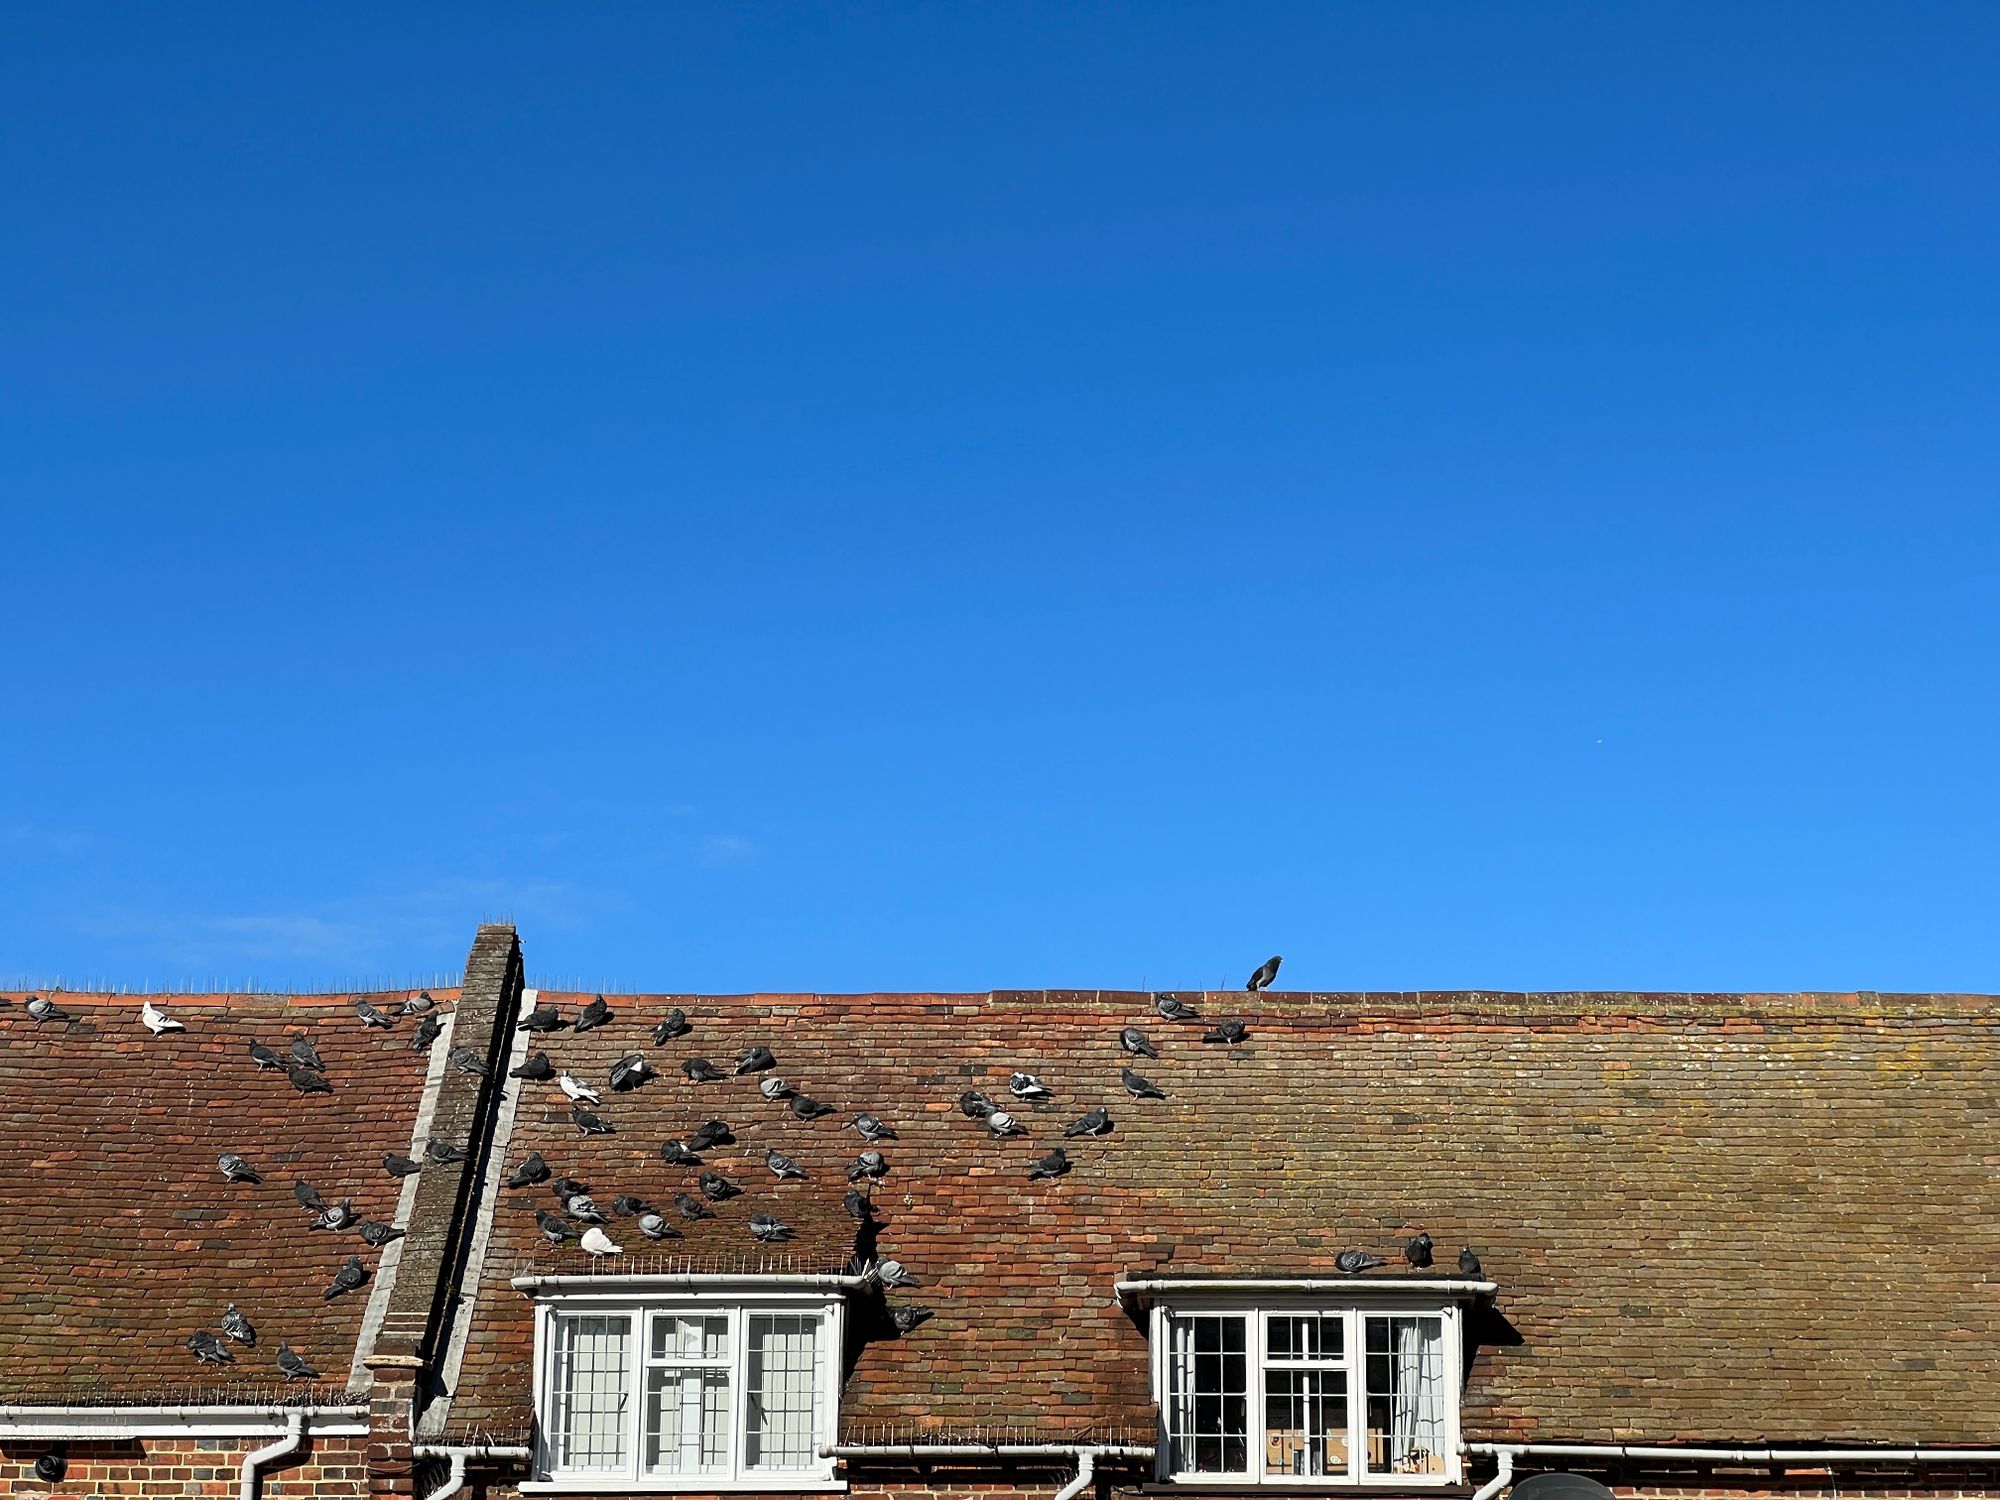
x=1354 y=1311
x=629 y=1477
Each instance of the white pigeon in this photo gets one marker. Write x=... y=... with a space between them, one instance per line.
x=596 y=1242
x=158 y=1020
x=1027 y=1086
x=771 y=1086
x=577 y=1089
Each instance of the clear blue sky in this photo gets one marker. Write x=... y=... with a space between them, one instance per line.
x=950 y=496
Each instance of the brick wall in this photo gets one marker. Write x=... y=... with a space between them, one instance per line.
x=324 y=1469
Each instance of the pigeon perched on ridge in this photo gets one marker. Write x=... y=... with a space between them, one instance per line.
x=596 y=1242
x=593 y=1015
x=711 y=1133
x=443 y=1152
x=157 y=1020
x=583 y=1206
x=701 y=1070
x=308 y=1196
x=350 y=1275
x=336 y=1216
x=1468 y=1263
x=1028 y=1086
x=537 y=1069
x=674 y=1154
x=41 y=1010
x=541 y=1018
x=630 y=1071
x=429 y=1029
x=1053 y=1165
x=674 y=1023
x=857 y=1206
x=292 y=1366
x=369 y=1015
x=588 y=1123
x=378 y=1235
x=808 y=1108
x=769 y=1228
x=782 y=1166
x=238 y=1327
x=1354 y=1262
x=1266 y=972
x=1173 y=1008
x=872 y=1165
x=417 y=1004
x=209 y=1349
x=576 y=1090
x=893 y=1273
x=653 y=1227
x=1002 y=1123
x=1140 y=1088
x=872 y=1128
x=907 y=1319
x=530 y=1172
x=1228 y=1032
x=1136 y=1042
x=691 y=1207
x=1418 y=1251
x=1091 y=1122
x=555 y=1229
x=235 y=1169
x=715 y=1187
x=467 y=1061
x=306 y=1081
x=774 y=1088
x=974 y=1105
x=754 y=1060
x=400 y=1166
x=264 y=1057
x=626 y=1206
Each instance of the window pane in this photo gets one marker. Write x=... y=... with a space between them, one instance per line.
x=1305 y=1422
x=781 y=1399
x=591 y=1388
x=687 y=1419
x=1309 y=1337
x=1406 y=1395
x=1208 y=1425
x=690 y=1338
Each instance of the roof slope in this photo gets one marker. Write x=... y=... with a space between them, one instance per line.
x=122 y=1236
x=1742 y=1217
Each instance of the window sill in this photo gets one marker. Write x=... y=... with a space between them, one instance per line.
x=802 y=1484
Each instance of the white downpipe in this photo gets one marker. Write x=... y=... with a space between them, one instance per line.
x=1086 y=1467
x=459 y=1456
x=454 y=1481
x=254 y=1461
x=1499 y=1481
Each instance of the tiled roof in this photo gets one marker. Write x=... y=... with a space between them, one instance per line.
x=1711 y=1216
x=122 y=1238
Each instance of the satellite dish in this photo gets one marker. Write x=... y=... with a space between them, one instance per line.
x=1560 y=1487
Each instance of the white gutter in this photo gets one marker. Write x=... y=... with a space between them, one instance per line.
x=253 y=1461
x=1450 y=1286
x=986 y=1450
x=459 y=1454
x=1763 y=1457
x=1499 y=1481
x=628 y=1283
x=126 y=1423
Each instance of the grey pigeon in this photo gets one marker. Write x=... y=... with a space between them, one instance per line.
x=872 y=1165
x=974 y=1105
x=336 y=1216
x=673 y=1024
x=308 y=1196
x=467 y=1061
x=755 y=1060
x=210 y=1350
x=45 y=1010
x=567 y=1187
x=715 y=1187
x=1266 y=972
x=1140 y=1088
x=1053 y=1165
x=626 y=1205
x=1418 y=1251
x=400 y=1166
x=1002 y=1123
x=674 y=1154
x=808 y=1108
x=701 y=1070
x=1027 y=1086
x=907 y=1319
x=1354 y=1262
x=1227 y=1032
x=429 y=1029
x=235 y=1169
x=378 y=1235
x=537 y=1069
x=782 y=1166
x=593 y=1015
x=653 y=1227
x=305 y=1052
x=370 y=1016
x=1135 y=1041
x=443 y=1151
x=1173 y=1008
x=630 y=1071
x=772 y=1087
x=692 y=1207
x=583 y=1206
x=872 y=1128
x=769 y=1228
x=541 y=1018
x=530 y=1172
x=1468 y=1263
x=350 y=1275
x=712 y=1133
x=1092 y=1122
x=588 y=1123
x=264 y=1057
x=893 y=1273
x=857 y=1206
x=306 y=1081
x=417 y=1004
x=238 y=1327
x=554 y=1229
x=292 y=1367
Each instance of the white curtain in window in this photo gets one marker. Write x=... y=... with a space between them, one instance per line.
x=1416 y=1415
